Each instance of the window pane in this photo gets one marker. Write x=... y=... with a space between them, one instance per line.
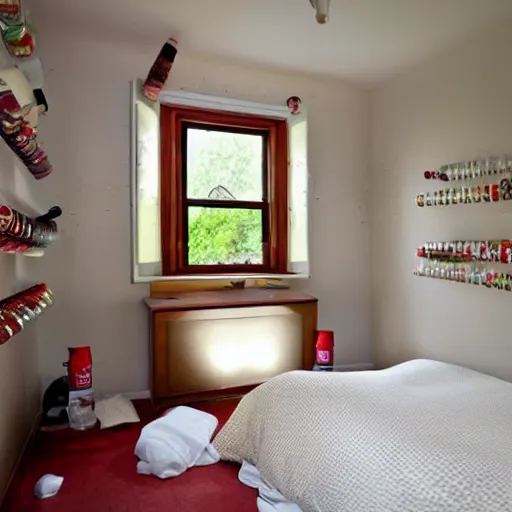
x=224 y=236
x=224 y=165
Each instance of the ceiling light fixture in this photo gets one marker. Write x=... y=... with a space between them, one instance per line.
x=322 y=10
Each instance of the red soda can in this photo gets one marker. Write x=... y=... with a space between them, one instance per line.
x=325 y=348
x=79 y=368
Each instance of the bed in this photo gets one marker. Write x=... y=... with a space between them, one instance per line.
x=422 y=436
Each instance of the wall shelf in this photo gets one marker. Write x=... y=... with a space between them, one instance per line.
x=471 y=169
x=497 y=281
x=467 y=262
x=485 y=251
x=483 y=193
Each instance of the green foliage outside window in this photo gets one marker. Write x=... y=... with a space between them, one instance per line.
x=234 y=162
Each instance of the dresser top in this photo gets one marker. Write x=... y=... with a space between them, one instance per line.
x=227 y=298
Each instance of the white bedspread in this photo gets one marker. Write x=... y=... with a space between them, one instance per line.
x=422 y=436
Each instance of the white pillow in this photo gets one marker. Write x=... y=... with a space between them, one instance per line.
x=115 y=411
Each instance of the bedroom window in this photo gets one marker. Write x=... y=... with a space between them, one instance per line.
x=219 y=188
x=224 y=192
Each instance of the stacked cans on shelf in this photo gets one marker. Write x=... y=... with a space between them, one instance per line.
x=471 y=169
x=23 y=234
x=494 y=251
x=465 y=273
x=488 y=193
x=19 y=309
x=480 y=192
x=462 y=262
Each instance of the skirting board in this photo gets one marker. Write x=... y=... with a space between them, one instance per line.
x=359 y=367
x=138 y=395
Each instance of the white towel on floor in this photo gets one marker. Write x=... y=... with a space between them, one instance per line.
x=269 y=499
x=170 y=445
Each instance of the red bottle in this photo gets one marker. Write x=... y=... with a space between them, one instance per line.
x=79 y=368
x=81 y=395
x=325 y=349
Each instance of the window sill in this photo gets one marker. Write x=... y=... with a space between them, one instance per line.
x=217 y=277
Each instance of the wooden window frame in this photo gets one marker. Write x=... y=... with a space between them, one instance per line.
x=174 y=203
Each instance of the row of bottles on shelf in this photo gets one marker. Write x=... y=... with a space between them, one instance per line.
x=464 y=261
x=494 y=251
x=467 y=273
x=489 y=193
x=471 y=169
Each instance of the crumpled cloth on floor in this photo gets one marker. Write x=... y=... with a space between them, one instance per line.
x=170 y=445
x=269 y=499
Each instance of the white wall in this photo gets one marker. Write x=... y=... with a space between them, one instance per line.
x=86 y=134
x=455 y=107
x=19 y=380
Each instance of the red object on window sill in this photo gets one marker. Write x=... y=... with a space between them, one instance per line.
x=325 y=348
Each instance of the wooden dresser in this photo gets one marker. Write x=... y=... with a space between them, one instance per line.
x=211 y=344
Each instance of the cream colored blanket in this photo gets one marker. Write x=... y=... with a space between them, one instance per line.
x=422 y=436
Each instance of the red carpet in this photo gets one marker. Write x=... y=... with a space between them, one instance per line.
x=99 y=470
